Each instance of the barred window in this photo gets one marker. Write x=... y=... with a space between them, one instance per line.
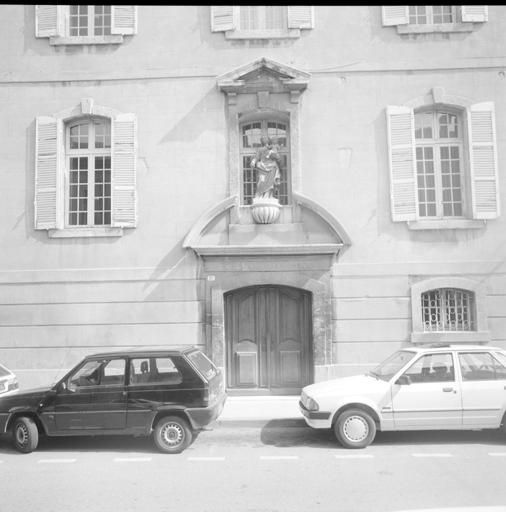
x=448 y=309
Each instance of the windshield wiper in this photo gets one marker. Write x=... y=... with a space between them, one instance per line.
x=372 y=374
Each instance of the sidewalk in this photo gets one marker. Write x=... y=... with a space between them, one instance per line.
x=260 y=412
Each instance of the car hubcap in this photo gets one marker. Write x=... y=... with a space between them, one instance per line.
x=355 y=429
x=21 y=435
x=172 y=434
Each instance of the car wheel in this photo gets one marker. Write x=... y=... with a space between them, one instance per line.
x=26 y=435
x=355 y=429
x=172 y=435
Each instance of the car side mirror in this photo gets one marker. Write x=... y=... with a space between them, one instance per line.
x=62 y=386
x=403 y=380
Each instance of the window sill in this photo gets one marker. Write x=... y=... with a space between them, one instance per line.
x=263 y=34
x=439 y=27
x=85 y=232
x=445 y=224
x=422 y=338
x=82 y=40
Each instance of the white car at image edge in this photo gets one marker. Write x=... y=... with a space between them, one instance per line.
x=435 y=387
x=8 y=382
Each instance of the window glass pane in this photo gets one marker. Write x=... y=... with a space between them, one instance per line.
x=448 y=127
x=425 y=180
x=432 y=368
x=87 y=375
x=112 y=372
x=477 y=366
x=417 y=14
x=79 y=136
x=249 y=15
x=423 y=125
x=102 y=20
x=442 y=13
x=154 y=370
x=78 y=18
x=275 y=17
x=102 y=135
x=251 y=134
x=394 y=364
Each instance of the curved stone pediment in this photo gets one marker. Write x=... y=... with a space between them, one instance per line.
x=315 y=231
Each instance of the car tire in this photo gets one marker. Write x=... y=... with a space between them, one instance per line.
x=26 y=434
x=172 y=435
x=354 y=428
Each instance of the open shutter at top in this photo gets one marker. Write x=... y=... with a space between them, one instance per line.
x=475 y=13
x=394 y=15
x=49 y=132
x=483 y=161
x=124 y=135
x=300 y=16
x=222 y=18
x=401 y=147
x=46 y=20
x=124 y=19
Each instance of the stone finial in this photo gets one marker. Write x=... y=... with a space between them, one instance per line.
x=86 y=106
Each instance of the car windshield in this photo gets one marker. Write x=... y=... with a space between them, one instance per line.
x=204 y=364
x=387 y=369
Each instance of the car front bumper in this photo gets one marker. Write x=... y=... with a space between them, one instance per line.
x=316 y=419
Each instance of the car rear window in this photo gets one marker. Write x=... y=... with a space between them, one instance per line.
x=204 y=364
x=3 y=371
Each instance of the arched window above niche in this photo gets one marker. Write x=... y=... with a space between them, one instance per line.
x=277 y=128
x=263 y=100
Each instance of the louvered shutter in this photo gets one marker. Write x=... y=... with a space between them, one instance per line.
x=222 y=18
x=49 y=131
x=124 y=19
x=475 y=13
x=483 y=161
x=401 y=147
x=394 y=15
x=124 y=170
x=300 y=16
x=46 y=20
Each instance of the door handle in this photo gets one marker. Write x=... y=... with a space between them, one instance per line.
x=447 y=390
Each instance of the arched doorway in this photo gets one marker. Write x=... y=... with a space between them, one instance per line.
x=269 y=343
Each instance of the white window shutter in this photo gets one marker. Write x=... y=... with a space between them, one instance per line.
x=49 y=132
x=394 y=15
x=401 y=147
x=483 y=161
x=46 y=20
x=124 y=19
x=475 y=13
x=222 y=18
x=300 y=16
x=124 y=136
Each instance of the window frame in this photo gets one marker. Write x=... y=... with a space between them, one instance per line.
x=50 y=171
x=480 y=173
x=53 y=22
x=286 y=177
x=479 y=335
x=466 y=16
x=436 y=143
x=90 y=154
x=227 y=19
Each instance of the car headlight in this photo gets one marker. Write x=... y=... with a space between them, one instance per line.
x=311 y=405
x=3 y=386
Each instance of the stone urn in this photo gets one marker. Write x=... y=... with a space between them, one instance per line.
x=265 y=210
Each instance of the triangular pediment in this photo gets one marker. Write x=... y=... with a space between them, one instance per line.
x=266 y=74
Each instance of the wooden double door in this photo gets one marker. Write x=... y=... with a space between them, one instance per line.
x=269 y=339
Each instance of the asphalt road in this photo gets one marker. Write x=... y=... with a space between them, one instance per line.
x=269 y=469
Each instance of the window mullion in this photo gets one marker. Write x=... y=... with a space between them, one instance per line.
x=91 y=20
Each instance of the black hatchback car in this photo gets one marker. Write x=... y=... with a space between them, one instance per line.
x=173 y=393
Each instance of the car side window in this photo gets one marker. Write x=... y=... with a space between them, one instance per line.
x=432 y=368
x=500 y=366
x=480 y=366
x=154 y=370
x=99 y=373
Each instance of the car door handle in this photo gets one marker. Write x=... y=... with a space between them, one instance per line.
x=447 y=390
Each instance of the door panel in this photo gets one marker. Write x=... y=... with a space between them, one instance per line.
x=268 y=338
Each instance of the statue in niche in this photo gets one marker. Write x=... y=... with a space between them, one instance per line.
x=266 y=162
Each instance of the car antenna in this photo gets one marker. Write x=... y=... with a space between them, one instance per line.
x=64 y=359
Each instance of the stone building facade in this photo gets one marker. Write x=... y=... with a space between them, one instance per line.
x=130 y=213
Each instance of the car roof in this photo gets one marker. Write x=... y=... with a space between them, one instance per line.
x=444 y=347
x=146 y=352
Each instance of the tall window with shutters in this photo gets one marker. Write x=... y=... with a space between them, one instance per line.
x=443 y=165
x=85 y=24
x=261 y=21
x=86 y=172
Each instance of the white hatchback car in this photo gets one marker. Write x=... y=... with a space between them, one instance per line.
x=8 y=382
x=439 y=387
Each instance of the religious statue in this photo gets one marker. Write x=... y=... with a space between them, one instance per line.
x=266 y=162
